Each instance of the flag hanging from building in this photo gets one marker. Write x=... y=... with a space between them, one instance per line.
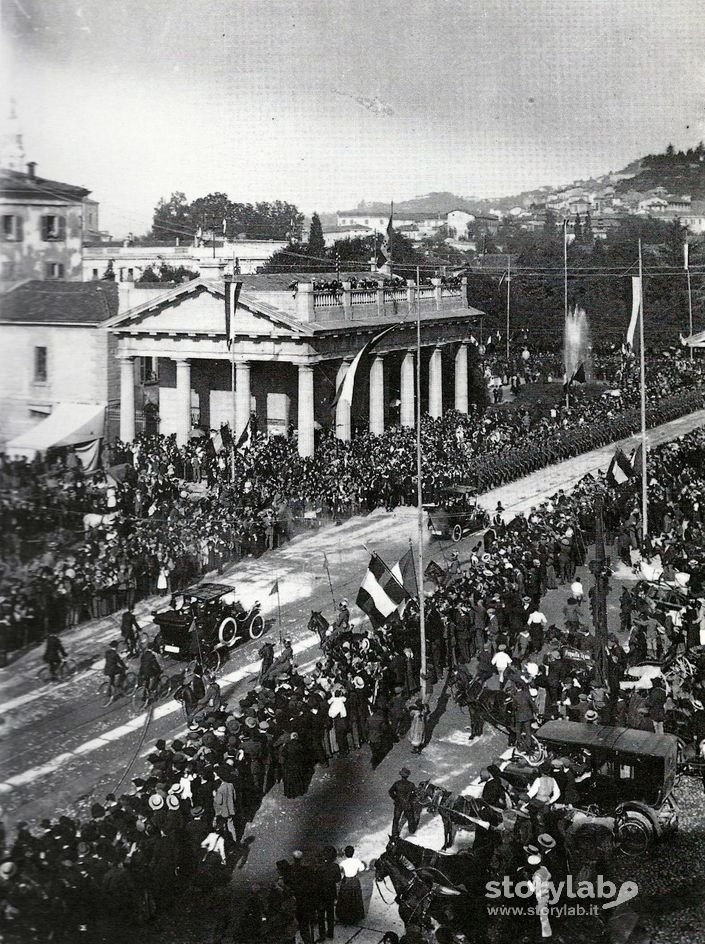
x=636 y=308
x=620 y=469
x=232 y=297
x=380 y=593
x=345 y=390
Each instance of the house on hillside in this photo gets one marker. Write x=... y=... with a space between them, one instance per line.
x=457 y=222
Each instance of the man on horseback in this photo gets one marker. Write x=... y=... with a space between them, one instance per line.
x=403 y=793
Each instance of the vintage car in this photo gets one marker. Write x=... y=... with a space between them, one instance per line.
x=205 y=622
x=456 y=514
x=630 y=775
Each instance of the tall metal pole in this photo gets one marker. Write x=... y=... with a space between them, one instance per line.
x=565 y=302
x=690 y=297
x=509 y=279
x=419 y=493
x=642 y=384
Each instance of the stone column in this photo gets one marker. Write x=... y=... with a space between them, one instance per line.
x=407 y=413
x=127 y=399
x=377 y=396
x=243 y=399
x=435 y=384
x=305 y=410
x=461 y=379
x=342 y=409
x=183 y=401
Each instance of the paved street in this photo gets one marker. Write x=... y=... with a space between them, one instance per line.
x=61 y=747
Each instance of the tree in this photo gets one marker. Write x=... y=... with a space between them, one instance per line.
x=166 y=273
x=173 y=219
x=549 y=224
x=316 y=246
x=578 y=229
x=588 y=236
x=109 y=274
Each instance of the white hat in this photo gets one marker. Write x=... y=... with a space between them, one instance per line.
x=156 y=801
x=172 y=801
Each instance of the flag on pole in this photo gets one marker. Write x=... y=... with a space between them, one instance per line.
x=245 y=440
x=620 y=469
x=636 y=308
x=345 y=390
x=380 y=593
x=685 y=256
x=386 y=247
x=275 y=588
x=578 y=377
x=225 y=227
x=637 y=460
x=435 y=572
x=232 y=297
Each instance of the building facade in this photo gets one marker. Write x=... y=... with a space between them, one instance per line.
x=130 y=261
x=42 y=227
x=61 y=352
x=291 y=349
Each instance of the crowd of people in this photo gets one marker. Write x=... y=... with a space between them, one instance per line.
x=164 y=533
x=184 y=823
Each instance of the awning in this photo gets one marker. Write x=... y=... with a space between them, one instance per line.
x=67 y=425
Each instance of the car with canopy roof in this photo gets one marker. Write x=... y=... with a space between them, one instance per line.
x=456 y=513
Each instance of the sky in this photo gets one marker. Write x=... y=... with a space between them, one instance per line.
x=327 y=102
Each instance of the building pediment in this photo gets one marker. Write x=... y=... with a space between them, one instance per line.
x=198 y=308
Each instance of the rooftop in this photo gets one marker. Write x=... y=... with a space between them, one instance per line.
x=59 y=303
x=20 y=186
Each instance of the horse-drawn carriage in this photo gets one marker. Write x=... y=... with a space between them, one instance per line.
x=205 y=622
x=456 y=514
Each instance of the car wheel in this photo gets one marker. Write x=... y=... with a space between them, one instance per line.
x=457 y=533
x=634 y=833
x=256 y=627
x=227 y=632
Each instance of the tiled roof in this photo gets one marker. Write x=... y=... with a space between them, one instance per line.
x=60 y=303
x=16 y=185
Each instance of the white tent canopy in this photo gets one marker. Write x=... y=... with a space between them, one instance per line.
x=67 y=425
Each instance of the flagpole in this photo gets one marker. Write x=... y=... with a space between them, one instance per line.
x=325 y=561
x=279 y=613
x=509 y=279
x=690 y=297
x=565 y=300
x=642 y=385
x=419 y=493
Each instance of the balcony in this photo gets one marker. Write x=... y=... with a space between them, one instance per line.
x=365 y=304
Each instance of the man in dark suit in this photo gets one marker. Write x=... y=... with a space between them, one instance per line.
x=403 y=792
x=327 y=876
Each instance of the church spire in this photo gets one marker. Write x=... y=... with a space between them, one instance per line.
x=12 y=154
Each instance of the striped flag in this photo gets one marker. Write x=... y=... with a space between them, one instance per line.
x=620 y=469
x=232 y=296
x=405 y=573
x=380 y=594
x=245 y=440
x=345 y=390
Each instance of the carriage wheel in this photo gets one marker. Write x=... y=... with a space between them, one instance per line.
x=634 y=833
x=535 y=754
x=256 y=627
x=456 y=533
x=227 y=632
x=214 y=661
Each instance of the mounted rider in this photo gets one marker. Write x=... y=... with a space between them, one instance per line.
x=342 y=618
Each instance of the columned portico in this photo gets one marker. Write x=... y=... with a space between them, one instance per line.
x=435 y=384
x=461 y=379
x=342 y=409
x=377 y=396
x=243 y=397
x=127 y=399
x=407 y=411
x=306 y=417
x=183 y=401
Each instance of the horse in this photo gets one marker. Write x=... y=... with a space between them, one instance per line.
x=466 y=870
x=463 y=812
x=425 y=895
x=318 y=624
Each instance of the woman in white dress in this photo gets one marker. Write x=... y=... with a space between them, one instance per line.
x=350 y=908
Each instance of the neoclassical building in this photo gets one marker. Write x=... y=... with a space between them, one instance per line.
x=292 y=345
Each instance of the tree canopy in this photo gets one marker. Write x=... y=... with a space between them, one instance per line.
x=215 y=213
